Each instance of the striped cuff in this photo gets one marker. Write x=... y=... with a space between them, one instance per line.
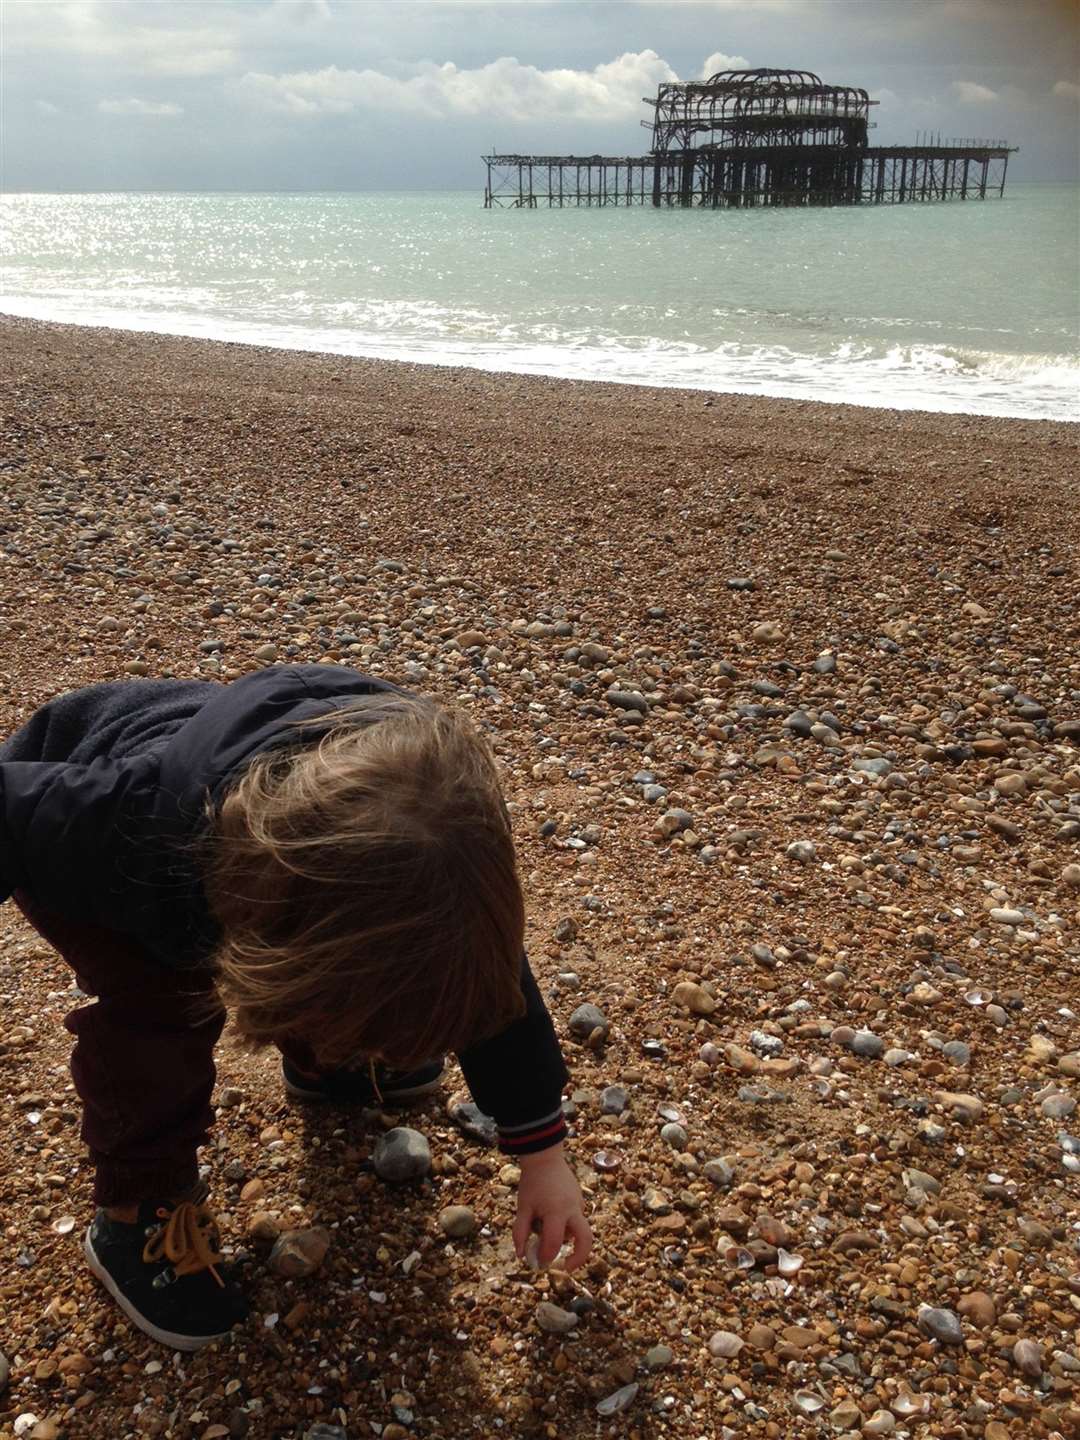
x=536 y=1135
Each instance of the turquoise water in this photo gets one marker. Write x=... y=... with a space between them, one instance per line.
x=963 y=306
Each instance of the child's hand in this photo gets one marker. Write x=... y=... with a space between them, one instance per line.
x=549 y=1194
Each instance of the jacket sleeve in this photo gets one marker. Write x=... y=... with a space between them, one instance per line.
x=518 y=1076
x=65 y=831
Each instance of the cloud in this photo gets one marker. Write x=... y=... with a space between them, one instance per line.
x=718 y=61
x=140 y=107
x=502 y=90
x=968 y=93
x=302 y=12
x=46 y=107
x=101 y=32
x=1066 y=90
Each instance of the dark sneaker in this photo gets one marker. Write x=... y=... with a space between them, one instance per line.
x=166 y=1274
x=365 y=1087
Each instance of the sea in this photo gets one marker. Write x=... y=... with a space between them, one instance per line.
x=963 y=306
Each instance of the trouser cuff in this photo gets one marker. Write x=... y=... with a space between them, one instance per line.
x=120 y=1183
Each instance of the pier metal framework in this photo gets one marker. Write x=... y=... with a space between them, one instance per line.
x=754 y=137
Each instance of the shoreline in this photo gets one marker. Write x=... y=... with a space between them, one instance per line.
x=17 y=324
x=540 y=370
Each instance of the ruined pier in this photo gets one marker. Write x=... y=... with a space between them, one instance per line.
x=755 y=137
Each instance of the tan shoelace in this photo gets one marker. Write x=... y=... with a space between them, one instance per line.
x=186 y=1241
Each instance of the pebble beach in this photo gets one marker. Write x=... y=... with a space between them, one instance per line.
x=786 y=698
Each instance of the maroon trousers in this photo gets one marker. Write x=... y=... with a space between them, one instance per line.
x=143 y=1062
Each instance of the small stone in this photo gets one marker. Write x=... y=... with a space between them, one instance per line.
x=264 y=1227
x=468 y=638
x=299 y=1253
x=585 y=1020
x=472 y=1121
x=659 y=1357
x=627 y=700
x=957 y=1052
x=877 y=766
x=1007 y=917
x=266 y=652
x=720 y=1173
x=614 y=1100
x=725 y=1344
x=941 y=1325
x=620 y=1400
x=767 y=632
x=5 y=1372
x=402 y=1155
x=458 y=1222
x=804 y=852
x=970 y=1106
x=978 y=1307
x=253 y=1190
x=761 y=1337
x=554 y=1320
x=867 y=1044
x=694 y=998
x=1027 y=1357
x=1058 y=1106
x=1071 y=876
x=674 y=1135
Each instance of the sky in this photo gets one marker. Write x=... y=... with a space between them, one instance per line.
x=406 y=94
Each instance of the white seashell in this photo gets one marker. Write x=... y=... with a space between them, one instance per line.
x=808 y=1402
x=787 y=1263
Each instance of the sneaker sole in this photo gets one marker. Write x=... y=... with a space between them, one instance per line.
x=413 y=1092
x=164 y=1337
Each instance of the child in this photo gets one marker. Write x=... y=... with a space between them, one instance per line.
x=322 y=854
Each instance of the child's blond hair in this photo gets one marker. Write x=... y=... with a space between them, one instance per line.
x=366 y=887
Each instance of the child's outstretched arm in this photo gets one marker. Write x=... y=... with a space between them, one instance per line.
x=518 y=1077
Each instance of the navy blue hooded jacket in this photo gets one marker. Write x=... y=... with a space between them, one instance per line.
x=104 y=792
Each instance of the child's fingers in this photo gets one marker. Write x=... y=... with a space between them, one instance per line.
x=552 y=1234
x=579 y=1230
x=521 y=1231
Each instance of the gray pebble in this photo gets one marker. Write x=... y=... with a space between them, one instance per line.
x=799 y=723
x=5 y=1372
x=761 y=1095
x=802 y=851
x=614 y=1100
x=458 y=1222
x=768 y=1045
x=472 y=1121
x=876 y=766
x=613 y=1404
x=674 y=1135
x=957 y=1052
x=659 y=1357
x=585 y=1019
x=720 y=1173
x=653 y=794
x=1059 y=1106
x=554 y=1320
x=402 y=1155
x=867 y=1044
x=628 y=700
x=942 y=1325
